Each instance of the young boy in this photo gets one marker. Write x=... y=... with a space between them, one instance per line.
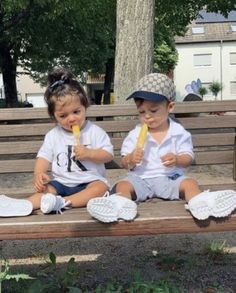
x=158 y=169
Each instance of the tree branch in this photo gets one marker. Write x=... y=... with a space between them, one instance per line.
x=16 y=18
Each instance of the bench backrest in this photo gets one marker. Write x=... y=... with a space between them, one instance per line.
x=22 y=131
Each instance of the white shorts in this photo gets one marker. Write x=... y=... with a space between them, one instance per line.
x=162 y=187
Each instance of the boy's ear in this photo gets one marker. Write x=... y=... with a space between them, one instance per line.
x=171 y=107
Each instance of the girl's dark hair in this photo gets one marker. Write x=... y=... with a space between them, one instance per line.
x=61 y=83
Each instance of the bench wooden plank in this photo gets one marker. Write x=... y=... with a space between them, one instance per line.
x=119 y=110
x=201 y=158
x=153 y=218
x=199 y=140
x=22 y=192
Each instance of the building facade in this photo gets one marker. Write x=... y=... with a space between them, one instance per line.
x=208 y=52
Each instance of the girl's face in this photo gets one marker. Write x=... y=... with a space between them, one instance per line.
x=69 y=111
x=155 y=114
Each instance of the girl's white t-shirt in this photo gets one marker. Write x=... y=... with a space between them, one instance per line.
x=58 y=146
x=177 y=141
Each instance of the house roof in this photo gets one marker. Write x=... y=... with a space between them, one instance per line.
x=216 y=28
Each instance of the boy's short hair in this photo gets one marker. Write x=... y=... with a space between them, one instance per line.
x=155 y=87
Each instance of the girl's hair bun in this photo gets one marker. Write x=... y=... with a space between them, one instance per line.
x=60 y=74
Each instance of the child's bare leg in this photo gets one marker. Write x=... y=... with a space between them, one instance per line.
x=94 y=189
x=189 y=188
x=35 y=199
x=125 y=189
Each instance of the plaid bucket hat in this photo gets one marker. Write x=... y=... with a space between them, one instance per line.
x=154 y=87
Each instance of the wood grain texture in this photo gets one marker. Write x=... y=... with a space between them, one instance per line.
x=154 y=217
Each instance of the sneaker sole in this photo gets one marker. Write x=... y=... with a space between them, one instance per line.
x=47 y=203
x=199 y=210
x=103 y=210
x=128 y=211
x=225 y=204
x=13 y=207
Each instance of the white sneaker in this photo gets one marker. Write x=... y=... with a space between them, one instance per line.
x=14 y=207
x=51 y=202
x=111 y=208
x=217 y=204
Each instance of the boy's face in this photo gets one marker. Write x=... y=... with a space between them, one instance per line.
x=154 y=114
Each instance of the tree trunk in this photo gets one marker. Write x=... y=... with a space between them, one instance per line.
x=108 y=80
x=8 y=68
x=134 y=45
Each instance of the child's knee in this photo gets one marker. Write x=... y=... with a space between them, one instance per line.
x=123 y=187
x=188 y=183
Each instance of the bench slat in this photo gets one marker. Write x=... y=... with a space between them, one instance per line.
x=154 y=218
x=205 y=122
x=199 y=140
x=121 y=126
x=22 y=192
x=119 y=110
x=201 y=158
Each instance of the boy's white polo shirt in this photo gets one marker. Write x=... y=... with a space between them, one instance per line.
x=57 y=149
x=177 y=141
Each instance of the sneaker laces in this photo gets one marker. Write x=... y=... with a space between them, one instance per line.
x=106 y=194
x=60 y=204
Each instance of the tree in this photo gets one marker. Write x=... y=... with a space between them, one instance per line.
x=40 y=34
x=215 y=87
x=202 y=91
x=134 y=45
x=165 y=58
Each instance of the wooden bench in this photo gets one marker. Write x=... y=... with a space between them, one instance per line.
x=21 y=134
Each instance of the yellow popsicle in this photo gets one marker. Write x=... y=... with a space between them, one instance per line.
x=142 y=136
x=76 y=133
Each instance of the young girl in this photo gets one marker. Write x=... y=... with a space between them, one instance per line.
x=78 y=171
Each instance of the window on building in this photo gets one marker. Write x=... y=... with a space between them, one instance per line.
x=233 y=27
x=232 y=57
x=198 y=30
x=202 y=59
x=233 y=87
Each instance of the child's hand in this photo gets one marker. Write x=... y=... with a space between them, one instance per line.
x=169 y=160
x=39 y=182
x=81 y=152
x=136 y=156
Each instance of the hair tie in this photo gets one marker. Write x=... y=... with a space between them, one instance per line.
x=57 y=83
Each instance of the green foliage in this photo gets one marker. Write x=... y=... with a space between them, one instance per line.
x=216 y=249
x=53 y=279
x=138 y=286
x=215 y=87
x=202 y=91
x=5 y=274
x=41 y=34
x=165 y=58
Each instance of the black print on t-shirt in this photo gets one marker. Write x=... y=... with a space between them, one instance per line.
x=64 y=159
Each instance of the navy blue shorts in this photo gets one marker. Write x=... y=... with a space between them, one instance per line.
x=64 y=190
